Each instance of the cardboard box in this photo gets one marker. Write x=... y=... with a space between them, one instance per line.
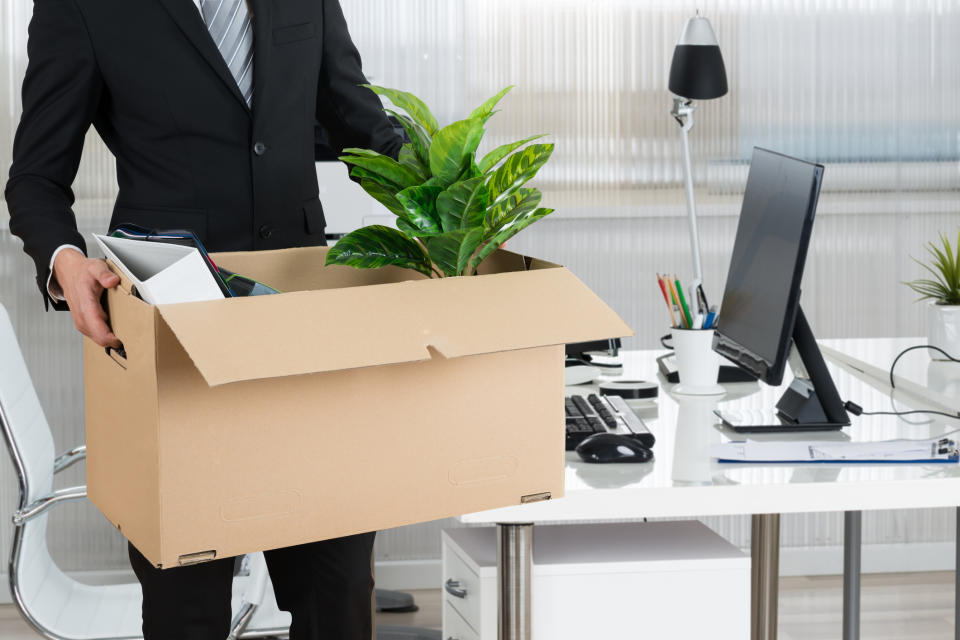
x=356 y=401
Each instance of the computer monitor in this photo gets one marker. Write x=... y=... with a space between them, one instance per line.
x=761 y=326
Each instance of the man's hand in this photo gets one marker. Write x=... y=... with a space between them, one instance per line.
x=82 y=280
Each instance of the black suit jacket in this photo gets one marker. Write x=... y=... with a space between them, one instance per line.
x=190 y=153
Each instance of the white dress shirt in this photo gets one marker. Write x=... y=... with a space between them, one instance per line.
x=53 y=287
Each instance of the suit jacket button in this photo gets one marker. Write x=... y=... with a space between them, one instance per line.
x=266 y=231
x=259 y=148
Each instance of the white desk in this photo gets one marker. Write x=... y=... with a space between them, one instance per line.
x=684 y=481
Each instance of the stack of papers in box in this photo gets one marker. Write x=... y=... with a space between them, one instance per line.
x=934 y=450
x=162 y=273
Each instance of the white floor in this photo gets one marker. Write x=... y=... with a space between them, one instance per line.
x=918 y=606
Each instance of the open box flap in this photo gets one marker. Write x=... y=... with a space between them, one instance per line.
x=330 y=330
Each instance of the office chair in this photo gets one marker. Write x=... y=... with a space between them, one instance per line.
x=54 y=604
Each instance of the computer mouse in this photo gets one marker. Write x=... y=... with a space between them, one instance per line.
x=613 y=447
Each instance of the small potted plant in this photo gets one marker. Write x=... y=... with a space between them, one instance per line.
x=453 y=209
x=943 y=292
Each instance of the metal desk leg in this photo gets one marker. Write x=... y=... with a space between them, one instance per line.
x=851 y=574
x=765 y=570
x=514 y=576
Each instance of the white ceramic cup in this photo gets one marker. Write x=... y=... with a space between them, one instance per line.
x=698 y=365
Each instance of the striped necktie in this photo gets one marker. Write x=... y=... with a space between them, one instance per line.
x=232 y=31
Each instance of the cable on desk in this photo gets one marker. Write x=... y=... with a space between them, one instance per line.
x=857 y=410
x=893 y=385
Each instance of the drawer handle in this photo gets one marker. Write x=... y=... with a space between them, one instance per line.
x=453 y=588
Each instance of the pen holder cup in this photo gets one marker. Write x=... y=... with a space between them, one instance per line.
x=698 y=365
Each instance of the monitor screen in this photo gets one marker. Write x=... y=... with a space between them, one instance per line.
x=763 y=286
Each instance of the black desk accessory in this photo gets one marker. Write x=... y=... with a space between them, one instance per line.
x=581 y=368
x=612 y=447
x=728 y=373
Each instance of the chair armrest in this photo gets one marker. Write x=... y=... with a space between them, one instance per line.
x=40 y=505
x=69 y=458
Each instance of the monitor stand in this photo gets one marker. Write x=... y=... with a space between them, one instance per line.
x=810 y=403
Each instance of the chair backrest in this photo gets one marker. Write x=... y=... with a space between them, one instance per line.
x=24 y=424
x=38 y=585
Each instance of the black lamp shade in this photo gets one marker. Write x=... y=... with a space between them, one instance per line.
x=697 y=70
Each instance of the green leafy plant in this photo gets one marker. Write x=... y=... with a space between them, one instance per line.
x=453 y=210
x=945 y=268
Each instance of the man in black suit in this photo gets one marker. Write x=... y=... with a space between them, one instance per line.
x=209 y=107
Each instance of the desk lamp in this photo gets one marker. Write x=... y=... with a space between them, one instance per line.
x=696 y=73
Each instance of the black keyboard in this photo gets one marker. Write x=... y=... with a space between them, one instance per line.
x=587 y=415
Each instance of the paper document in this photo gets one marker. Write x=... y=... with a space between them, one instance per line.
x=934 y=450
x=162 y=273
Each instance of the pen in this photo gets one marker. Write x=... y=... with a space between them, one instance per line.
x=702 y=300
x=683 y=304
x=711 y=318
x=698 y=321
x=666 y=298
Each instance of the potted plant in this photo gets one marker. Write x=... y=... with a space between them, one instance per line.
x=453 y=209
x=943 y=291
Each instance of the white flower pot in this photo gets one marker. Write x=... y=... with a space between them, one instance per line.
x=943 y=329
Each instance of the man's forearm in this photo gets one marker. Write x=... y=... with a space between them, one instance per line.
x=61 y=93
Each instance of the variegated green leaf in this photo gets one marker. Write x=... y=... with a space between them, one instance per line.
x=383 y=195
x=471 y=242
x=378 y=246
x=362 y=174
x=463 y=205
x=384 y=166
x=522 y=202
x=512 y=228
x=494 y=158
x=452 y=147
x=419 y=139
x=408 y=158
x=486 y=110
x=407 y=228
x=470 y=169
x=420 y=209
x=444 y=250
x=517 y=170
x=411 y=104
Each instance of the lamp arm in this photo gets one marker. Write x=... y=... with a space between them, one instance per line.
x=683 y=113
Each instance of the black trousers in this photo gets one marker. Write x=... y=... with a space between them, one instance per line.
x=326 y=586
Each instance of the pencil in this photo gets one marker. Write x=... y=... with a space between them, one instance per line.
x=666 y=298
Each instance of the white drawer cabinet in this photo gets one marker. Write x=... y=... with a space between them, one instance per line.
x=617 y=580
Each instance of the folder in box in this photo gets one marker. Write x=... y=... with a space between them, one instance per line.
x=162 y=273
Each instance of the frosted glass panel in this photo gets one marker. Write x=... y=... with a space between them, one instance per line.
x=869 y=88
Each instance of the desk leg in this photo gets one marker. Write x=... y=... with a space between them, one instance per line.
x=851 y=574
x=765 y=570
x=956 y=594
x=514 y=577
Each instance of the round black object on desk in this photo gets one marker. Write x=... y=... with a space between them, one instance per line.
x=630 y=389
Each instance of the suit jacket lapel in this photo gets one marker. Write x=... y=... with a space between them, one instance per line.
x=190 y=22
x=262 y=25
